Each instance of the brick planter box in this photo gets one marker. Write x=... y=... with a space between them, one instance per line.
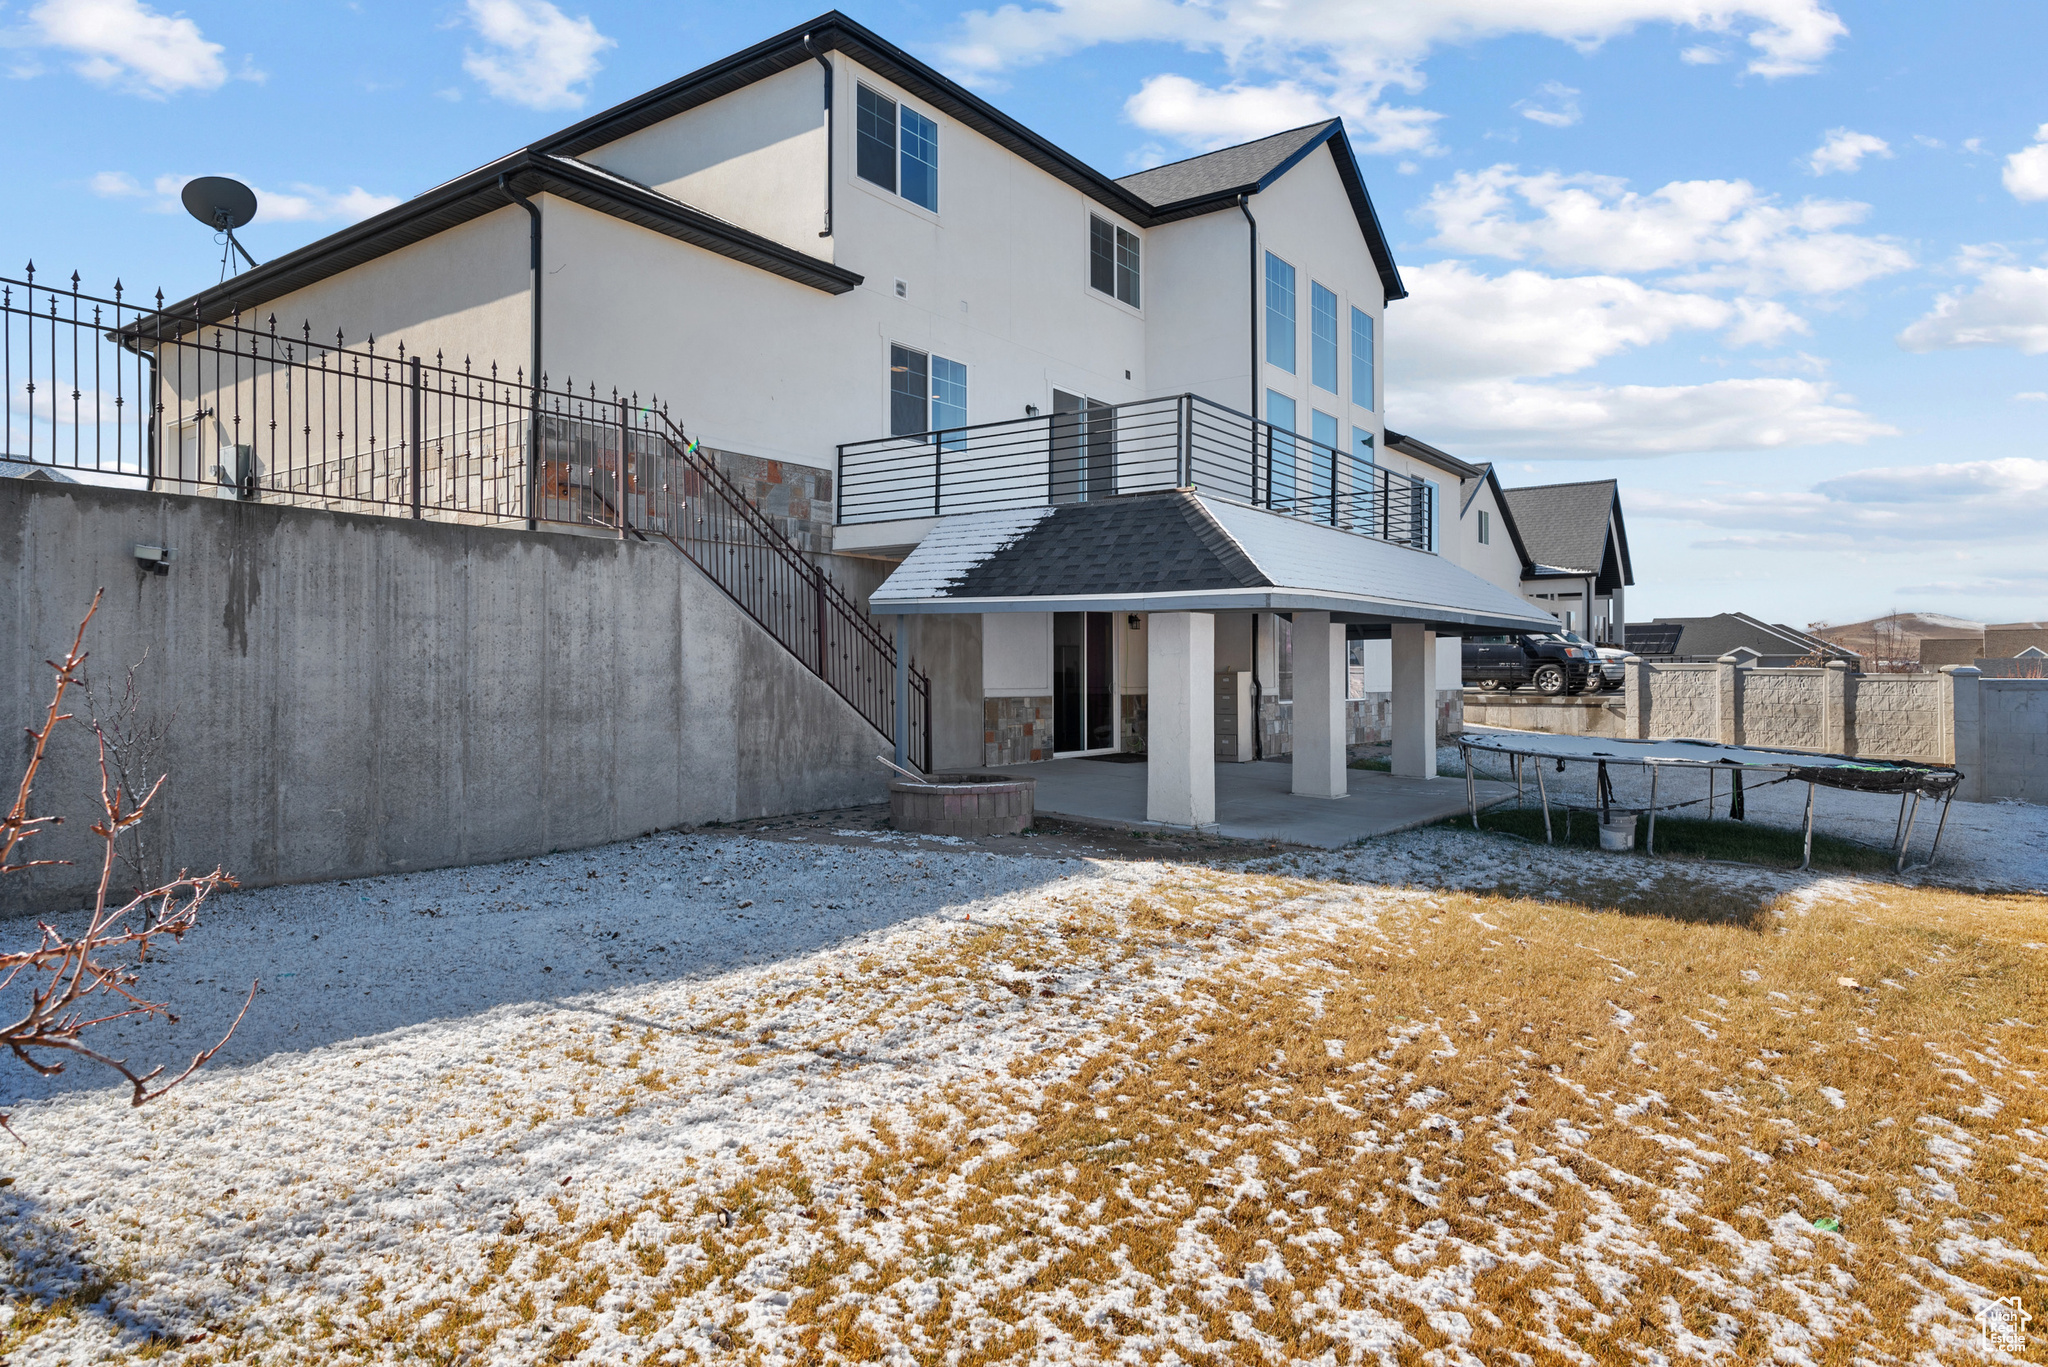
x=963 y=804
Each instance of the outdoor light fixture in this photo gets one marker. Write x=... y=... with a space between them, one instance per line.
x=1030 y=410
x=154 y=559
x=1134 y=621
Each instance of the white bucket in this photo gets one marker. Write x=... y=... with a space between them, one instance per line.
x=1618 y=832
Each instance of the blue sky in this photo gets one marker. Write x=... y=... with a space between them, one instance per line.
x=1778 y=265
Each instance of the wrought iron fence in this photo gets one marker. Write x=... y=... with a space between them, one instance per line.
x=100 y=391
x=1178 y=441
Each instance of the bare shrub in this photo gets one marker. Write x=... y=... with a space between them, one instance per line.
x=76 y=983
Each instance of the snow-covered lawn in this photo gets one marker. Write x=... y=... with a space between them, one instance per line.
x=715 y=1098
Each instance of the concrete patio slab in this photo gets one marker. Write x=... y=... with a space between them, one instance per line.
x=1254 y=801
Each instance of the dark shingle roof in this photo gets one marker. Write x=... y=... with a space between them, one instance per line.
x=1730 y=631
x=1565 y=526
x=1229 y=170
x=1149 y=543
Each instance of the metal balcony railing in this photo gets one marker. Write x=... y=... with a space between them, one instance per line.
x=103 y=392
x=1181 y=441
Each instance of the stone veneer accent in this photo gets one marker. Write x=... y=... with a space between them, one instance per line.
x=1366 y=720
x=796 y=498
x=1016 y=730
x=1131 y=733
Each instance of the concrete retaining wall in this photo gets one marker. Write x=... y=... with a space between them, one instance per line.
x=1585 y=714
x=2013 y=738
x=346 y=695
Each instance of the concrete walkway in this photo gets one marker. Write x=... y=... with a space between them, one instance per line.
x=1253 y=801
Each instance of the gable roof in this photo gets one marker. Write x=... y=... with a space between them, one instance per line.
x=549 y=164
x=1573 y=530
x=1472 y=477
x=1727 y=632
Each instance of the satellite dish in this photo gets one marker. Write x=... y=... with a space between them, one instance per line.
x=222 y=205
x=219 y=203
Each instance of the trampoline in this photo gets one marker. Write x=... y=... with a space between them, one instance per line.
x=1911 y=781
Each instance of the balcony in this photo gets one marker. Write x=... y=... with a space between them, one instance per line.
x=1180 y=441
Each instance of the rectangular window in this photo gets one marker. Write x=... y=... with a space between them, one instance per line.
x=1322 y=465
x=1322 y=338
x=920 y=160
x=949 y=393
x=1280 y=481
x=875 y=138
x=1485 y=528
x=1113 y=260
x=1279 y=313
x=909 y=391
x=1361 y=358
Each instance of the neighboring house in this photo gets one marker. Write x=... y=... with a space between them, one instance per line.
x=1577 y=549
x=1749 y=639
x=1999 y=641
x=1116 y=443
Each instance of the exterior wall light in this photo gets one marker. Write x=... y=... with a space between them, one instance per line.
x=154 y=559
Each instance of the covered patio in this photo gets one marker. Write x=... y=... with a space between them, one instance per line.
x=1257 y=801
x=1175 y=561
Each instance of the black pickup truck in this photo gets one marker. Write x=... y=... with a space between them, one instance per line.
x=1552 y=663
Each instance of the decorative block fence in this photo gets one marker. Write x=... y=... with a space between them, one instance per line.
x=1994 y=730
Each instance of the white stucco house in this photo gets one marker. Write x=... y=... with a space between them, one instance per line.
x=1110 y=452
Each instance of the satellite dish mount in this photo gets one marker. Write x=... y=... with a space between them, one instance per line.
x=222 y=205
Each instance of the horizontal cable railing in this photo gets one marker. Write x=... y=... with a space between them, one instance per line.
x=105 y=393
x=1179 y=441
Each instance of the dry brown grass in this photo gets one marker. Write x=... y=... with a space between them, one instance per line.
x=1278 y=1118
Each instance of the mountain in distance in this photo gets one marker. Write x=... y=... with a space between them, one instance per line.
x=1895 y=635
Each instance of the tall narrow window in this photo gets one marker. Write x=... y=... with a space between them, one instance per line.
x=949 y=393
x=1485 y=528
x=1279 y=313
x=920 y=160
x=909 y=391
x=1322 y=338
x=1361 y=358
x=1280 y=481
x=875 y=138
x=1113 y=260
x=1322 y=466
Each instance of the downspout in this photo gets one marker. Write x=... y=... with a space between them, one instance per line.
x=831 y=137
x=1258 y=726
x=533 y=374
x=1244 y=207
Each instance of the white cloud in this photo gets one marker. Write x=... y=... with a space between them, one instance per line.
x=1346 y=54
x=1634 y=420
x=1844 y=150
x=1701 y=55
x=297 y=203
x=1458 y=325
x=1557 y=105
x=1474 y=349
x=2008 y=306
x=2026 y=171
x=1726 y=233
x=535 y=55
x=2031 y=396
x=1382 y=41
x=1964 y=503
x=128 y=45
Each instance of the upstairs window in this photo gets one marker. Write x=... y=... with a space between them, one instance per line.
x=1322 y=337
x=1279 y=313
x=1485 y=528
x=1361 y=358
x=1113 y=260
x=926 y=393
x=896 y=148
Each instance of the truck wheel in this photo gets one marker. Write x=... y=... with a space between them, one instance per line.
x=1489 y=685
x=1549 y=680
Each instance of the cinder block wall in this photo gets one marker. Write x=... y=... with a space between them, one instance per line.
x=346 y=695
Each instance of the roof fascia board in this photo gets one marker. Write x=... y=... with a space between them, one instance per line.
x=1356 y=607
x=1443 y=460
x=476 y=194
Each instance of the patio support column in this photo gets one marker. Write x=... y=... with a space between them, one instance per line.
x=1413 y=723
x=1180 y=735
x=1319 y=757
